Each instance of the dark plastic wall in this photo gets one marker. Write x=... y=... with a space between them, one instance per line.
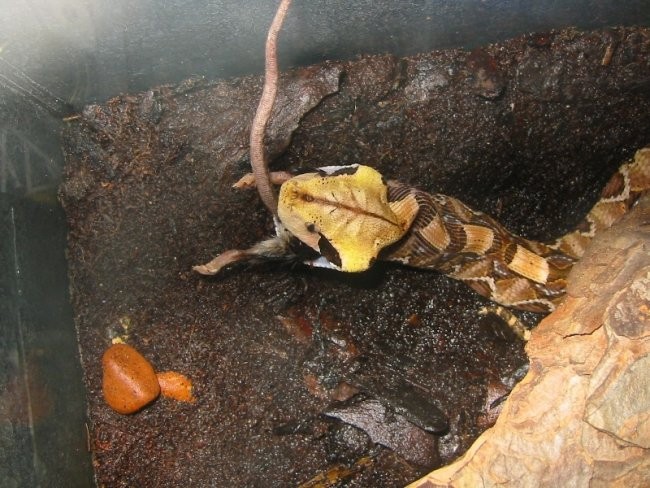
x=57 y=55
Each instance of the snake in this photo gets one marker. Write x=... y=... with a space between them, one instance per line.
x=348 y=217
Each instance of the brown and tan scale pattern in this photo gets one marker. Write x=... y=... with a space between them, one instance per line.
x=621 y=192
x=448 y=236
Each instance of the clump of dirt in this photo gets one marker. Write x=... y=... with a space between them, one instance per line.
x=294 y=369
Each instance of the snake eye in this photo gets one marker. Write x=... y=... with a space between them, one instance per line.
x=311 y=227
x=328 y=251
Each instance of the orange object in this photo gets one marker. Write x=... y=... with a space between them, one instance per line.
x=176 y=386
x=129 y=381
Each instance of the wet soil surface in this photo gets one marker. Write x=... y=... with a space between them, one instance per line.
x=308 y=376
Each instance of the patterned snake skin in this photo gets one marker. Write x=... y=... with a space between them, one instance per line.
x=470 y=246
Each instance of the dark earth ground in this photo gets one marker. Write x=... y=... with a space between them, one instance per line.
x=527 y=130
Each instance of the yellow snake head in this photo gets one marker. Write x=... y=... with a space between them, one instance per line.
x=343 y=213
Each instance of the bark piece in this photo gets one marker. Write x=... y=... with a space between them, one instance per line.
x=389 y=429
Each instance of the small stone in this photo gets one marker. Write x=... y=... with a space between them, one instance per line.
x=129 y=381
x=176 y=386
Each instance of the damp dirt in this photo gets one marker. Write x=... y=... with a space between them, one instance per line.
x=305 y=376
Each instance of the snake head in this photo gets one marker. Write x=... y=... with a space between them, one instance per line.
x=343 y=213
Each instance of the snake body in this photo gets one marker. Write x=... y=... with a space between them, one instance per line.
x=470 y=246
x=448 y=236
